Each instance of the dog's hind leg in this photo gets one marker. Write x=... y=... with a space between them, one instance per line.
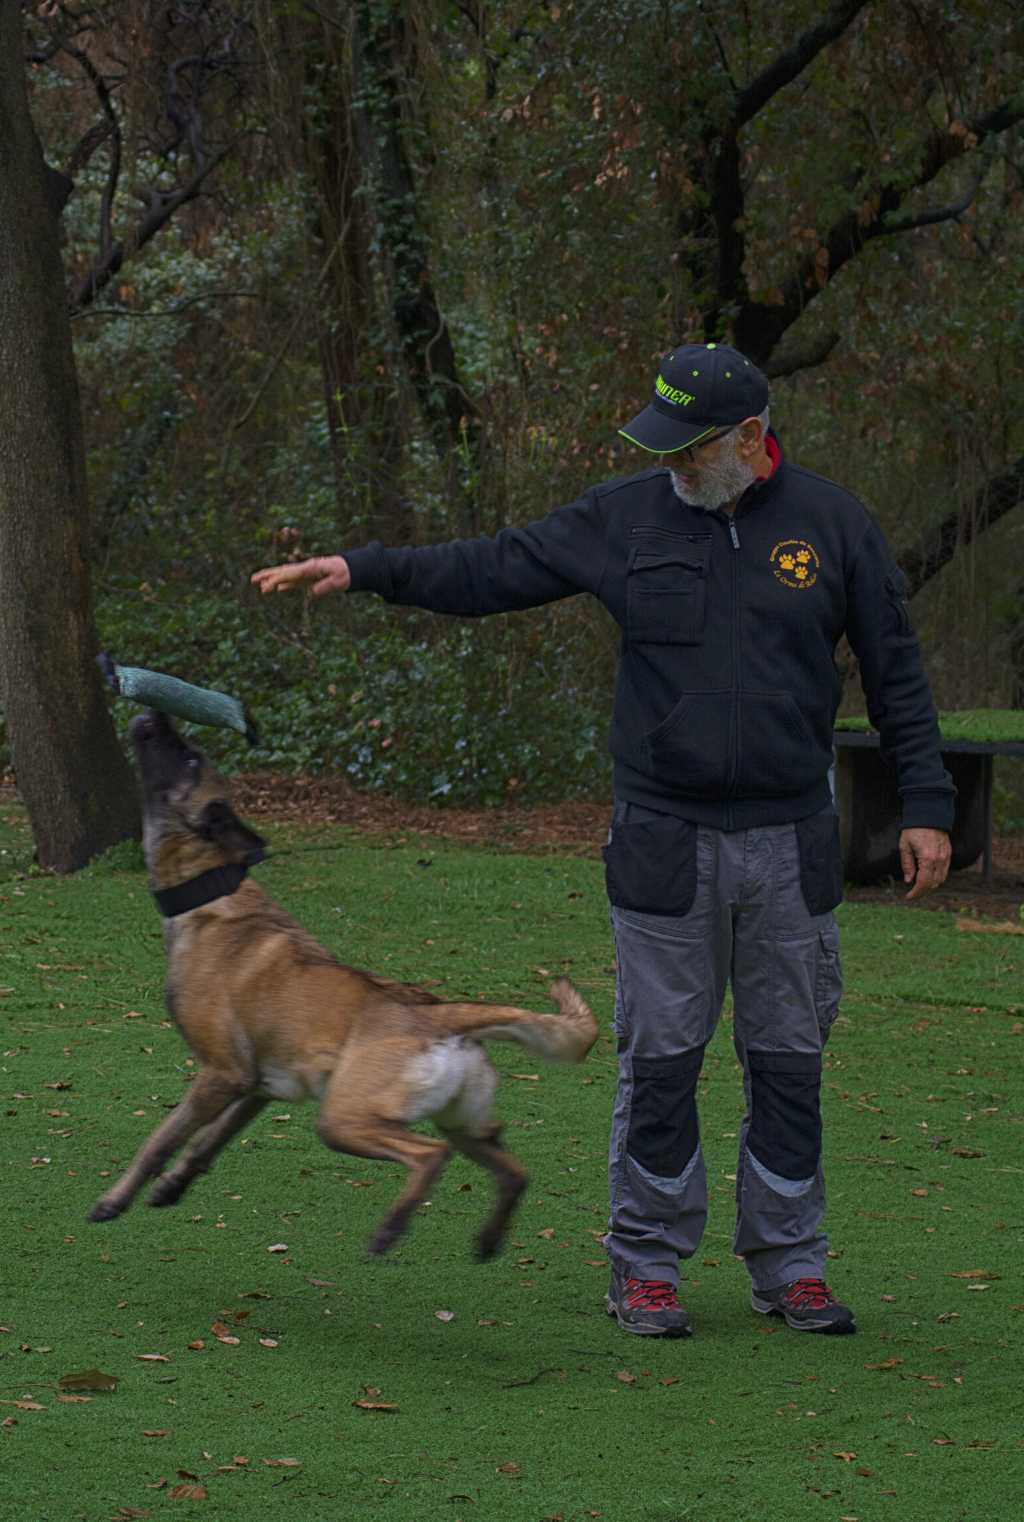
x=205 y=1101
x=510 y=1177
x=202 y=1150
x=421 y=1155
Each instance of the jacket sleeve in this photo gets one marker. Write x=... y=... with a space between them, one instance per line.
x=899 y=699
x=557 y=556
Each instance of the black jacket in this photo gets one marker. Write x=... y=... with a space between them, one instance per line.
x=727 y=687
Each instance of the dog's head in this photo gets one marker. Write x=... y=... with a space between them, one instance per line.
x=189 y=825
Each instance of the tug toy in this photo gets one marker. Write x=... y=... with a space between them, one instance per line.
x=168 y=694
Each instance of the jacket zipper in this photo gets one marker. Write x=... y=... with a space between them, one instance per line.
x=735 y=541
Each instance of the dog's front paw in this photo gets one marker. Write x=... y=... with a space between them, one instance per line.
x=166 y=1191
x=105 y=1210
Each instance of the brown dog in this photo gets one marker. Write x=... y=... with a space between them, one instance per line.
x=271 y=1015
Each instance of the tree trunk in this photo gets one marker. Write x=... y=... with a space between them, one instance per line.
x=71 y=773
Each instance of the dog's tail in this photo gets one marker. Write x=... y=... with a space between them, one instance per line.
x=565 y=1037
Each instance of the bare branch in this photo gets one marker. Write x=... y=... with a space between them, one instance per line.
x=797 y=357
x=874 y=218
x=938 y=214
x=756 y=95
x=996 y=498
x=113 y=131
x=161 y=209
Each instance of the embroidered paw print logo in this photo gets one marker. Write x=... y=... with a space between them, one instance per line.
x=795 y=563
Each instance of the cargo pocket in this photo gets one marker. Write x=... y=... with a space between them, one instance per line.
x=828 y=984
x=666 y=595
x=821 y=861
x=651 y=866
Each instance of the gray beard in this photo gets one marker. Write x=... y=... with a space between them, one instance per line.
x=720 y=483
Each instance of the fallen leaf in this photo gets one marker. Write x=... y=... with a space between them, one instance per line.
x=974 y=1273
x=887 y=1363
x=75 y=1400
x=375 y=1405
x=156 y=1432
x=24 y=1405
x=526 y=1077
x=152 y=1358
x=282 y=1463
x=89 y=1379
x=278 y=1247
x=625 y=1377
x=846 y=1457
x=268 y=1342
x=508 y=1468
x=445 y=1315
x=188 y=1493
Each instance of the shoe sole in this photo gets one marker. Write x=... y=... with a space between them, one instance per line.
x=650 y=1330
x=802 y=1324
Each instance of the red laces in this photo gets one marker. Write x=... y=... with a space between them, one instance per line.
x=651 y=1294
x=814 y=1294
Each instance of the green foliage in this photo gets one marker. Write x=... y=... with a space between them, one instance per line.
x=448 y=711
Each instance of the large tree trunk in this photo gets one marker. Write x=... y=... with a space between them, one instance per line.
x=71 y=773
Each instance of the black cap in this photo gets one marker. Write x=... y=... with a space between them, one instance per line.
x=700 y=387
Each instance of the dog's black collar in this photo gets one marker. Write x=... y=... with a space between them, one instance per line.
x=217 y=883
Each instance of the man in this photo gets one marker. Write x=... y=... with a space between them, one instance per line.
x=732 y=575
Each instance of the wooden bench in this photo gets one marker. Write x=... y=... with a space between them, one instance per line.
x=868 y=801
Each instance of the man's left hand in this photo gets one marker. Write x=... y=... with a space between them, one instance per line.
x=925 y=855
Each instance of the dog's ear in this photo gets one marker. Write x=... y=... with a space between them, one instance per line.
x=220 y=824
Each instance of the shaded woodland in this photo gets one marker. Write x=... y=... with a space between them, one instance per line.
x=327 y=272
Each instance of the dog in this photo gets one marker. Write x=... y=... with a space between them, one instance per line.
x=270 y=1014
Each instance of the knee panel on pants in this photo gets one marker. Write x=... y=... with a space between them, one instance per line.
x=785 y=1119
x=663 y=1133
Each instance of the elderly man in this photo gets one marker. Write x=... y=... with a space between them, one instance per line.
x=732 y=575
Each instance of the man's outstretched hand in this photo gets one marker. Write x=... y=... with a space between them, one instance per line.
x=328 y=573
x=925 y=855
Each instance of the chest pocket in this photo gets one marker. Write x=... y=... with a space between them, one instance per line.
x=667 y=592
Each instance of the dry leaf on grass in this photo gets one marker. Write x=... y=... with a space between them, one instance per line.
x=88 y=1379
x=189 y=1493
x=375 y=1405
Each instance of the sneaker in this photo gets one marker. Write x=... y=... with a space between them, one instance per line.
x=648 y=1307
x=808 y=1305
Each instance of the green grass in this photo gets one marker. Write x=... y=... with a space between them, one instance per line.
x=991 y=725
x=527 y=1404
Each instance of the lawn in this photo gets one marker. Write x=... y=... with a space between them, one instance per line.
x=260 y=1366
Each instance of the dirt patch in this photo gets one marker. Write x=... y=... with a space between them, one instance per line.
x=574 y=828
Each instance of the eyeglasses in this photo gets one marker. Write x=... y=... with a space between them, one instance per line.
x=693 y=449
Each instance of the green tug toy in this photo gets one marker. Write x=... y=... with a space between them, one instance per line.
x=169 y=694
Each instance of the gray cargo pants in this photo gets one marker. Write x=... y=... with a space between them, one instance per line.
x=693 y=908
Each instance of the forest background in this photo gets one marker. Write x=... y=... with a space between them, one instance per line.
x=281 y=276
